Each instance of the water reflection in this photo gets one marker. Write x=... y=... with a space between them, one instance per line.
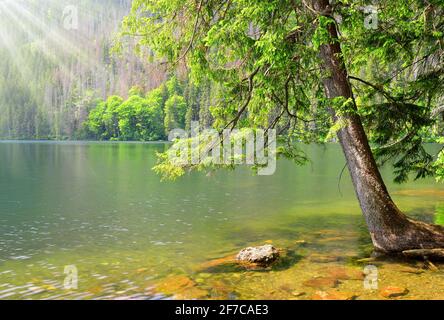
x=100 y=207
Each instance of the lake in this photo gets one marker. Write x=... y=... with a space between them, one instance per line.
x=99 y=209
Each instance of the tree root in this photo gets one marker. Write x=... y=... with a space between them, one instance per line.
x=425 y=254
x=412 y=239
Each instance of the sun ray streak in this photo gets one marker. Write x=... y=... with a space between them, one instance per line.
x=38 y=42
x=54 y=36
x=15 y=55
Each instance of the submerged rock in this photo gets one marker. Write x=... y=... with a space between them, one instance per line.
x=193 y=293
x=219 y=265
x=298 y=293
x=175 y=284
x=321 y=258
x=333 y=295
x=322 y=282
x=393 y=292
x=263 y=255
x=341 y=273
x=412 y=270
x=181 y=287
x=217 y=262
x=220 y=289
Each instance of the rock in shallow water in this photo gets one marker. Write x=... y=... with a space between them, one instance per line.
x=174 y=283
x=182 y=287
x=322 y=258
x=342 y=273
x=393 y=292
x=333 y=295
x=263 y=255
x=322 y=282
x=298 y=293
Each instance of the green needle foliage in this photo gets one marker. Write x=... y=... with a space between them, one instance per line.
x=263 y=56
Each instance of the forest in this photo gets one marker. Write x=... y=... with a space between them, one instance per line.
x=148 y=116
x=89 y=89
x=68 y=80
x=52 y=76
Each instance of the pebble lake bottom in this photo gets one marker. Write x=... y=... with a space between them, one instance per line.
x=100 y=208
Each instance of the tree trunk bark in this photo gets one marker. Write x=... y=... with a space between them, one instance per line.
x=391 y=231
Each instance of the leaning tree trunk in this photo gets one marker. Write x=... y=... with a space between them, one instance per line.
x=391 y=231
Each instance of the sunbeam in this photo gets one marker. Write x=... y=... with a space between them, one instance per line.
x=36 y=39
x=55 y=59
x=14 y=53
x=53 y=35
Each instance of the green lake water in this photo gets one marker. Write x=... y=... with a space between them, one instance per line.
x=99 y=207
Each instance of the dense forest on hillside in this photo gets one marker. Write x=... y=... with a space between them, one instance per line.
x=55 y=82
x=70 y=83
x=52 y=75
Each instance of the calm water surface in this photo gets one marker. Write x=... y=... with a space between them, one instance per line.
x=100 y=208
